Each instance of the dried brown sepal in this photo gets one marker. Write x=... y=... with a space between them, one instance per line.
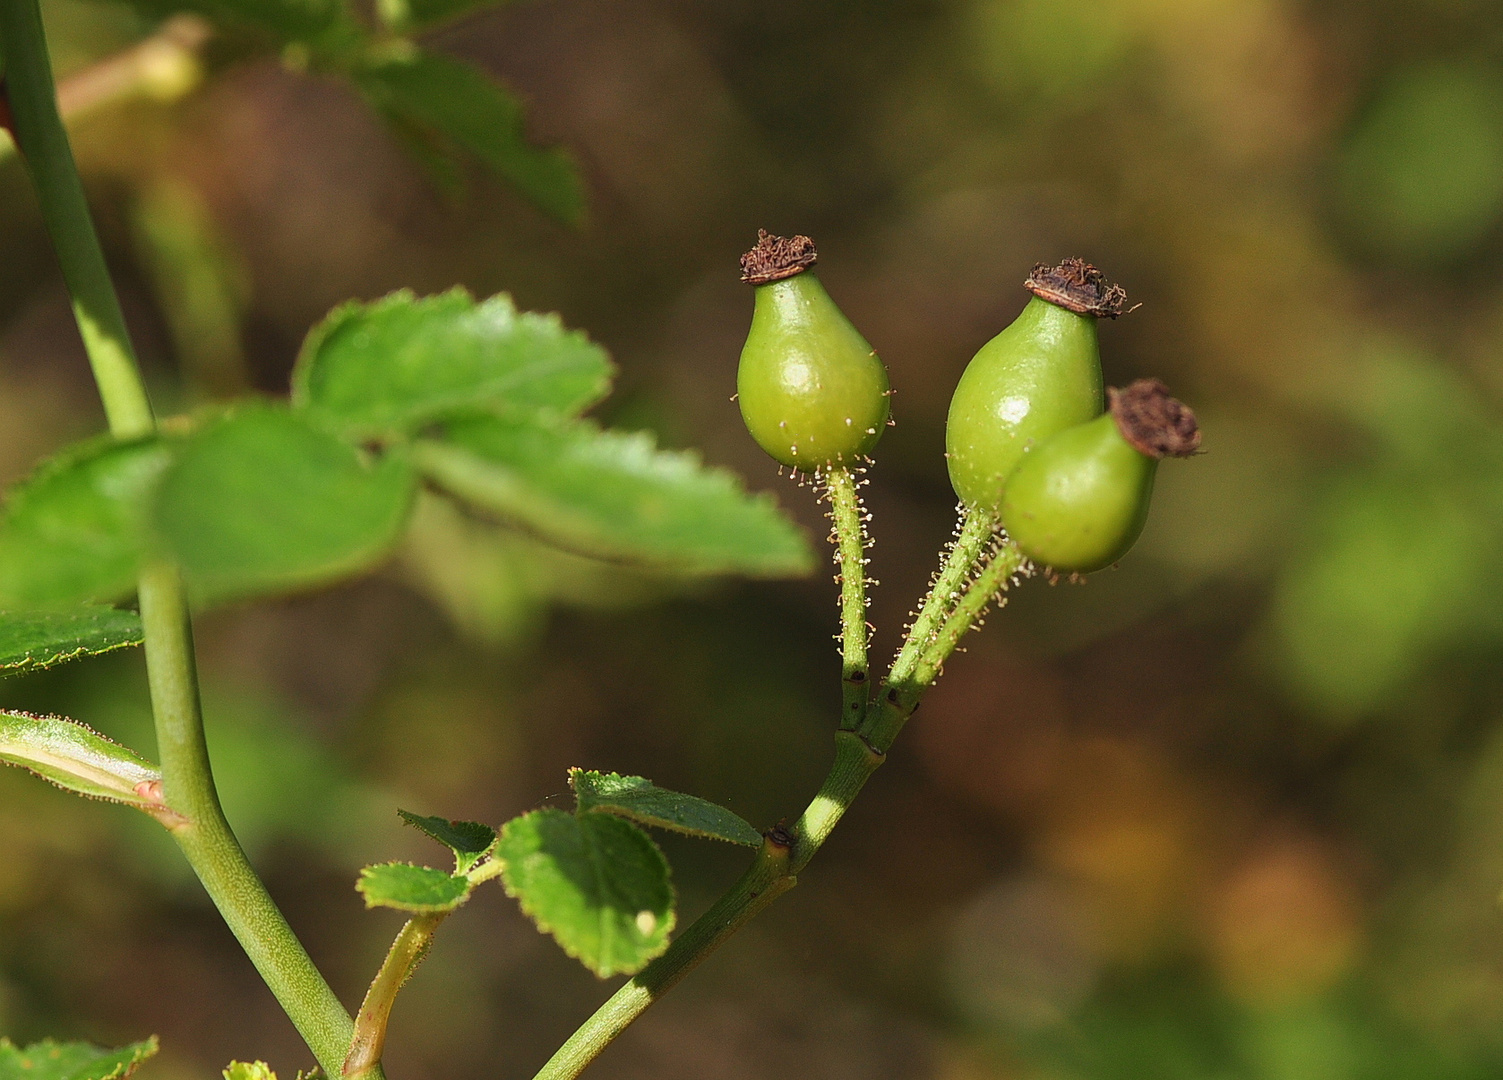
x=1077 y=286
x=777 y=257
x=1153 y=422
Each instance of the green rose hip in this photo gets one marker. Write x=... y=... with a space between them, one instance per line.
x=1078 y=502
x=1037 y=377
x=812 y=391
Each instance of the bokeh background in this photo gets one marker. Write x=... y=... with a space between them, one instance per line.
x=1232 y=810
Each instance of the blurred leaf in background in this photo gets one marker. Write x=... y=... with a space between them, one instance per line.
x=449 y=110
x=1420 y=177
x=1400 y=555
x=202 y=285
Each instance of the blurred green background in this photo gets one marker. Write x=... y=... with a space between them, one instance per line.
x=1233 y=810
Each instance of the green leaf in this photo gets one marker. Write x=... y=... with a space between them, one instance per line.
x=468 y=113
x=639 y=799
x=390 y=367
x=613 y=495
x=263 y=502
x=469 y=840
x=48 y=1060
x=33 y=640
x=75 y=531
x=259 y=1070
x=412 y=888
x=598 y=884
x=79 y=759
x=249 y=1070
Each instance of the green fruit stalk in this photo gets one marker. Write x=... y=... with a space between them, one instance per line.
x=1078 y=502
x=812 y=391
x=1038 y=377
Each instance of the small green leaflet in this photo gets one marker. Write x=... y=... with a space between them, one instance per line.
x=614 y=495
x=48 y=1060
x=33 y=640
x=597 y=883
x=419 y=889
x=462 y=111
x=80 y=760
x=640 y=800
x=259 y=1070
x=262 y=502
x=469 y=840
x=390 y=367
x=75 y=531
x=249 y=1070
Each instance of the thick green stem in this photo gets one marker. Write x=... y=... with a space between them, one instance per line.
x=188 y=784
x=849 y=536
x=406 y=952
x=49 y=158
x=206 y=839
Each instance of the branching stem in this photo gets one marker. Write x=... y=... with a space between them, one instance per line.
x=849 y=536
x=993 y=580
x=766 y=879
x=952 y=607
x=206 y=838
x=188 y=784
x=971 y=544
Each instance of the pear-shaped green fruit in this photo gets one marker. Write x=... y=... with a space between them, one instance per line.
x=812 y=391
x=1078 y=502
x=1038 y=377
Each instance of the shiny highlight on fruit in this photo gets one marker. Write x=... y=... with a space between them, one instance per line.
x=811 y=389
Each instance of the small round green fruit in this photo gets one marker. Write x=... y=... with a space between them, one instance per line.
x=812 y=391
x=1078 y=502
x=1039 y=376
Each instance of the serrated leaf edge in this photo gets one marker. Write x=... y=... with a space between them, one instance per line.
x=663 y=823
x=463 y=863
x=16 y=497
x=140 y=1051
x=338 y=315
x=643 y=446
x=419 y=909
x=30 y=664
x=547 y=928
x=151 y=774
x=343 y=313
